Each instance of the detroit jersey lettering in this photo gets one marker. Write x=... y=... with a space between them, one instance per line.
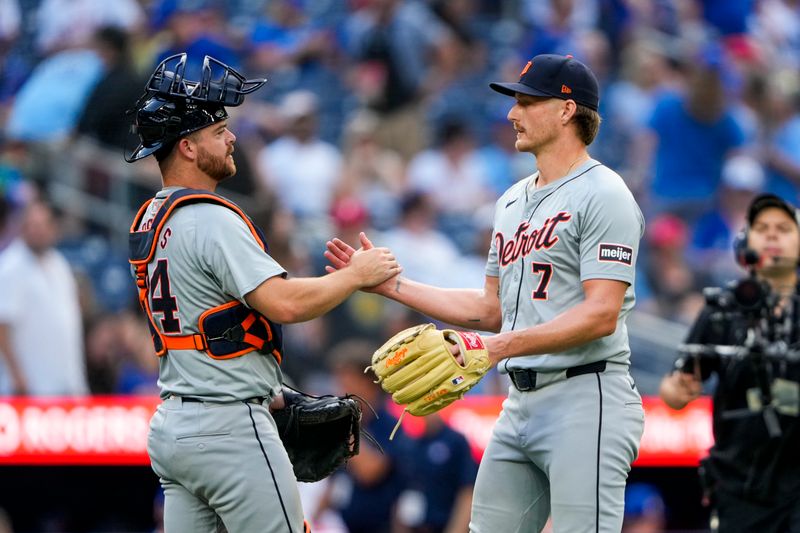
x=548 y=240
x=522 y=242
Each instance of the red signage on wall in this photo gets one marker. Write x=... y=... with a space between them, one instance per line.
x=675 y=438
x=671 y=438
x=95 y=430
x=112 y=430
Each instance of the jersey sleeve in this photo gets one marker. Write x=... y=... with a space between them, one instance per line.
x=611 y=226
x=230 y=252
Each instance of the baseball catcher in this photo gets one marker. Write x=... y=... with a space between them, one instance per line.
x=215 y=300
x=419 y=370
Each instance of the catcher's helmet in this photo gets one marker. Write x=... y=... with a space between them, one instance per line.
x=172 y=106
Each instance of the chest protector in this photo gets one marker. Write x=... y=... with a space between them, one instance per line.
x=226 y=331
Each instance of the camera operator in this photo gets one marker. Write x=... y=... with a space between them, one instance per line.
x=752 y=472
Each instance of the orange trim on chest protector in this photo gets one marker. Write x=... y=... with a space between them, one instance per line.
x=185 y=342
x=197 y=341
x=212 y=198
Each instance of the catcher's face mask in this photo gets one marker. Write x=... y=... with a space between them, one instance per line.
x=172 y=106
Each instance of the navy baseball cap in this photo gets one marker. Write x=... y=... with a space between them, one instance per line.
x=555 y=76
x=766 y=200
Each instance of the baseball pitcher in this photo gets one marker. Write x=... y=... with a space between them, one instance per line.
x=559 y=286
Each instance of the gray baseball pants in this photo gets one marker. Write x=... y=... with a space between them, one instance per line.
x=564 y=448
x=223 y=462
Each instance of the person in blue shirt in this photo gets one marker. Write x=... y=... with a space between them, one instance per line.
x=441 y=473
x=743 y=177
x=694 y=133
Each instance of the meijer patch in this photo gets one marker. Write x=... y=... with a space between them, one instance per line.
x=615 y=253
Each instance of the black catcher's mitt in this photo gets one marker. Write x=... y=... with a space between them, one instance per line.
x=320 y=433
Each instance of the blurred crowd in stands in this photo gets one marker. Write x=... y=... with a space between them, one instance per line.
x=377 y=117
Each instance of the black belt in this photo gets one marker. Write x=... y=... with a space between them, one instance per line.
x=257 y=400
x=525 y=379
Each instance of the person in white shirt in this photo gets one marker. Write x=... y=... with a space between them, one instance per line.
x=301 y=169
x=41 y=336
x=425 y=252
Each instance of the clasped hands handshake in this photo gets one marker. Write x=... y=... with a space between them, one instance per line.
x=340 y=254
x=423 y=368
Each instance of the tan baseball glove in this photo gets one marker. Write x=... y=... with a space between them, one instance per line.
x=417 y=368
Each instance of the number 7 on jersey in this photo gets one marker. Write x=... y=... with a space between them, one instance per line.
x=545 y=272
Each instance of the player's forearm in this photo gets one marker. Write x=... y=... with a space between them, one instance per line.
x=466 y=308
x=288 y=301
x=582 y=324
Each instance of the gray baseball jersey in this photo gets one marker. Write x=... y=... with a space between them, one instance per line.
x=208 y=257
x=565 y=439
x=549 y=240
x=212 y=442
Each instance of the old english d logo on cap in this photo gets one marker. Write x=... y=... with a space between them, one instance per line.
x=555 y=76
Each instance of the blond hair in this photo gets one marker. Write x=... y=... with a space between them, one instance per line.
x=587 y=124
